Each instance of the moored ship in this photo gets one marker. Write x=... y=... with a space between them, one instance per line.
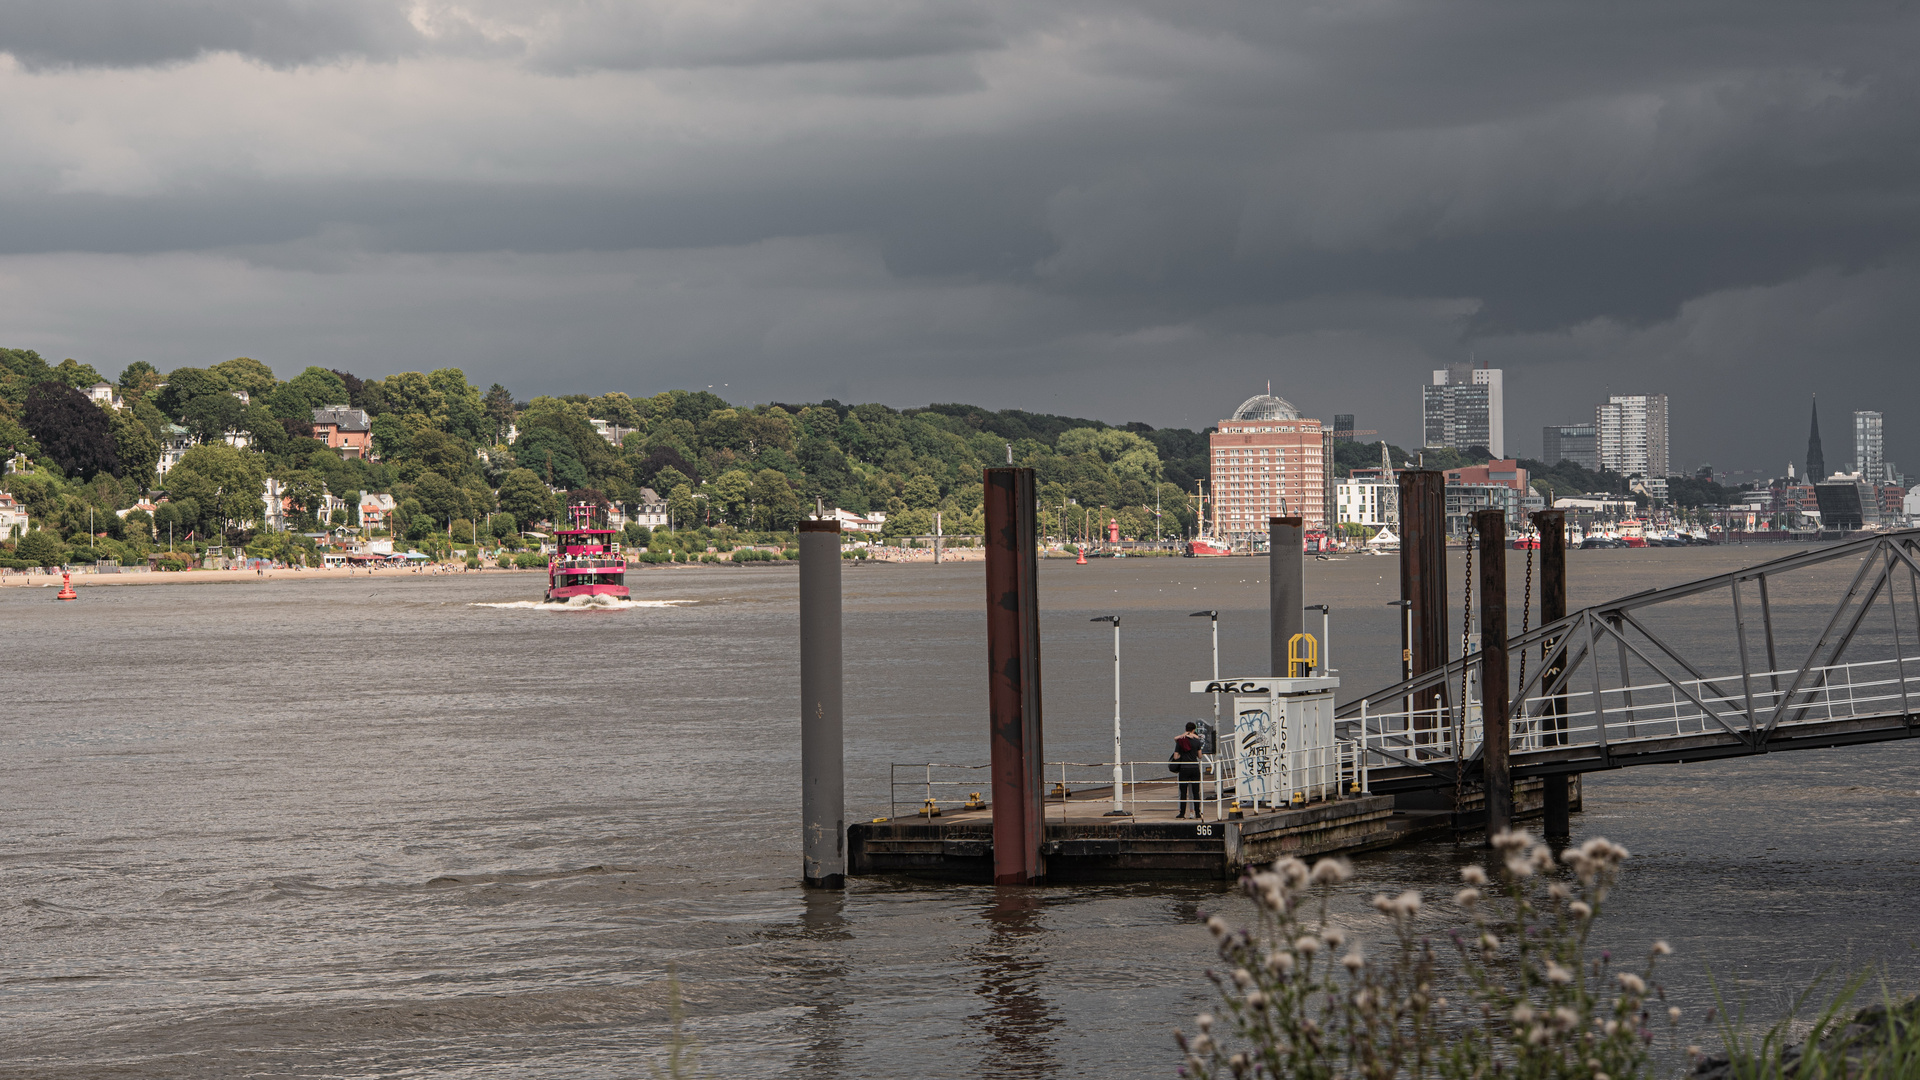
x=586 y=559
x=1204 y=544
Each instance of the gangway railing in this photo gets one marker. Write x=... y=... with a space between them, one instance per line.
x=1603 y=679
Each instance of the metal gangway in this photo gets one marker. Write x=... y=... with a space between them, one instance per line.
x=1775 y=657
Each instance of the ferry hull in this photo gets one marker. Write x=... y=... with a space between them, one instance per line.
x=563 y=593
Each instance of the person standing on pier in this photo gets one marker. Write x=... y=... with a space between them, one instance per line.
x=1186 y=758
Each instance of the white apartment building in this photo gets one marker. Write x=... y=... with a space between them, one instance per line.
x=1869 y=447
x=1465 y=406
x=650 y=510
x=1632 y=432
x=1363 y=502
x=12 y=516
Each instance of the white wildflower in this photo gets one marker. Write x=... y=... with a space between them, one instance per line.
x=1473 y=875
x=1510 y=841
x=1331 y=871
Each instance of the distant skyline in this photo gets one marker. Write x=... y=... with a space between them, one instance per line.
x=1121 y=211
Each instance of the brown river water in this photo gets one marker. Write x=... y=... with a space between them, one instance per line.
x=379 y=828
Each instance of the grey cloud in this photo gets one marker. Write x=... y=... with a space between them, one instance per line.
x=1044 y=205
x=129 y=33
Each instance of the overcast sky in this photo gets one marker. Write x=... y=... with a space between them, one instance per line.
x=1113 y=209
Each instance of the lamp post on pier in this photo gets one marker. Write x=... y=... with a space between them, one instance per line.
x=1406 y=654
x=1326 y=632
x=1119 y=776
x=1213 y=615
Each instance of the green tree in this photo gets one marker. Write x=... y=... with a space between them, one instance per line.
x=504 y=524
x=908 y=523
x=439 y=499
x=729 y=494
x=40 y=549
x=775 y=504
x=139 y=377
x=463 y=413
x=306 y=490
x=669 y=478
x=269 y=435
x=76 y=374
x=210 y=417
x=246 y=373
x=410 y=392
x=391 y=438
x=922 y=493
x=186 y=385
x=616 y=408
x=151 y=418
x=682 y=507
x=552 y=456
x=498 y=404
x=311 y=389
x=174 y=519
x=224 y=482
x=135 y=445
x=526 y=498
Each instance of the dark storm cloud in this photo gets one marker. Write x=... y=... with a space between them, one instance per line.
x=1340 y=196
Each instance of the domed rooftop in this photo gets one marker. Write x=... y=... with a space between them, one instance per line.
x=1266 y=407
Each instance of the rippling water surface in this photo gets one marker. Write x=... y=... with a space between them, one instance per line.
x=406 y=827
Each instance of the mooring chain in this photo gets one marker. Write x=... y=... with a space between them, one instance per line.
x=1526 y=623
x=1460 y=706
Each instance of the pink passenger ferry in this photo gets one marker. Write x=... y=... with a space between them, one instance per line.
x=586 y=559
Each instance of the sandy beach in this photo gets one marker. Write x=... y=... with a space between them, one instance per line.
x=24 y=579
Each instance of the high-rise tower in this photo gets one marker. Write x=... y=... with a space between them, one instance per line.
x=1816 y=461
x=1869 y=446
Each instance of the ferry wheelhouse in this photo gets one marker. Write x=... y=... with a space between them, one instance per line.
x=586 y=559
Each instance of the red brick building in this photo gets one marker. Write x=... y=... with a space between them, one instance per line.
x=1268 y=461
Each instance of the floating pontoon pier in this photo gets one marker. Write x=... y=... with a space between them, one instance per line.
x=1286 y=778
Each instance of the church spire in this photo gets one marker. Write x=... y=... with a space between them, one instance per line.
x=1816 y=461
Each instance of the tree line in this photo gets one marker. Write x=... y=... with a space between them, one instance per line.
x=457 y=459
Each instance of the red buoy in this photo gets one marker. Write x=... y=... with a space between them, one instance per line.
x=66 y=588
x=1082 y=560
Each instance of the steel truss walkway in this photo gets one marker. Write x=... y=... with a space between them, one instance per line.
x=1750 y=662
